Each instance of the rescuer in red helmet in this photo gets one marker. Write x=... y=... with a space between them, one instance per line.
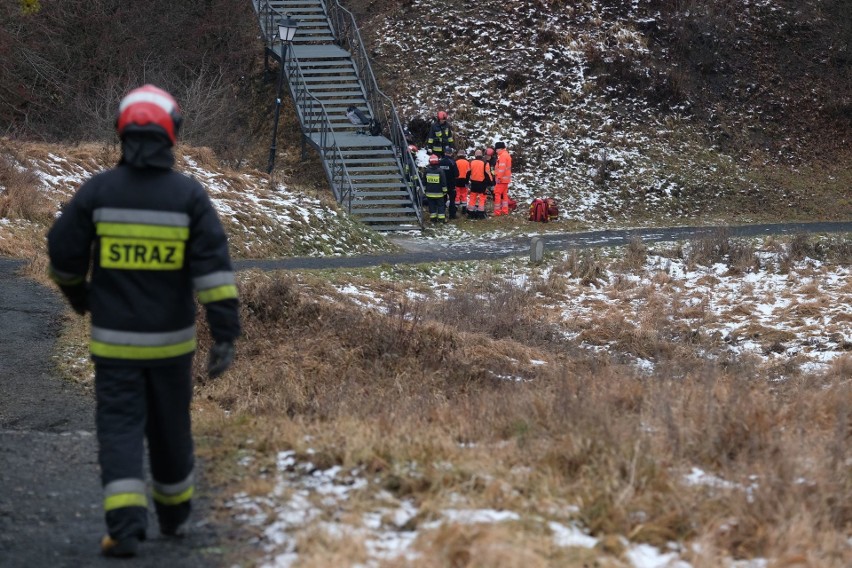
x=440 y=134
x=153 y=240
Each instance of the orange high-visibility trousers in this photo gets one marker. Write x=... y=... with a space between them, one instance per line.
x=476 y=201
x=501 y=199
x=461 y=195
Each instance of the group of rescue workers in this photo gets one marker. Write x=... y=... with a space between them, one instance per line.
x=454 y=183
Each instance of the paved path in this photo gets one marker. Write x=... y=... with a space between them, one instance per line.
x=420 y=250
x=50 y=494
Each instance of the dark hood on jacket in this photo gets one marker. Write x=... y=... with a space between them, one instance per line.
x=147 y=150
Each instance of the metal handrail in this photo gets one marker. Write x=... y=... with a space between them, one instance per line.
x=306 y=104
x=333 y=162
x=381 y=106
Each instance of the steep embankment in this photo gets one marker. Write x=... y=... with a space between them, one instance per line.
x=681 y=111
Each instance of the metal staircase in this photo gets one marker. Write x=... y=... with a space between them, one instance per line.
x=327 y=70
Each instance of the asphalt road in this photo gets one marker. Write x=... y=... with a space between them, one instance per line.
x=50 y=492
x=417 y=250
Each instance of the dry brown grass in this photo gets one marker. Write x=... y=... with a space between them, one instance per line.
x=719 y=247
x=20 y=196
x=397 y=393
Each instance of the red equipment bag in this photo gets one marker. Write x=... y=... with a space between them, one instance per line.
x=552 y=209
x=538 y=211
x=512 y=205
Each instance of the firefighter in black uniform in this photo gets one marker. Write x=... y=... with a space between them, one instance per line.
x=440 y=135
x=451 y=172
x=153 y=238
x=436 y=190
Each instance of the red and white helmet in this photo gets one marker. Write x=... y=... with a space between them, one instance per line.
x=442 y=115
x=412 y=148
x=434 y=159
x=148 y=109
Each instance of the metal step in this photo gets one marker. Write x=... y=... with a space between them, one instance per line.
x=307 y=52
x=349 y=88
x=389 y=219
x=397 y=193
x=370 y=161
x=349 y=101
x=371 y=202
x=357 y=151
x=361 y=169
x=319 y=66
x=380 y=210
x=361 y=177
x=322 y=73
x=369 y=153
x=361 y=186
x=322 y=81
x=321 y=95
x=293 y=4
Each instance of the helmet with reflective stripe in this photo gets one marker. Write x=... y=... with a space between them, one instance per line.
x=412 y=148
x=434 y=159
x=148 y=109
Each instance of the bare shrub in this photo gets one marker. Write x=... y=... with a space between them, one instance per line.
x=20 y=196
x=635 y=254
x=718 y=247
x=547 y=37
x=742 y=257
x=585 y=265
x=800 y=247
x=513 y=80
x=710 y=249
x=500 y=312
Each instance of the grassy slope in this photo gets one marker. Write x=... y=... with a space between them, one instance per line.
x=637 y=114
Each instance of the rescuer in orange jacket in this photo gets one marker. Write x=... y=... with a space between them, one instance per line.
x=480 y=179
x=462 y=181
x=502 y=179
x=132 y=247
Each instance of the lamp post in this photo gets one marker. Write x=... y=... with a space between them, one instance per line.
x=286 y=31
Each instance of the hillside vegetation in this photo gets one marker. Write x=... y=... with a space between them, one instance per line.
x=631 y=112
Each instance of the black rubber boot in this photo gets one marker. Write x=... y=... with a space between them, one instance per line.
x=127 y=547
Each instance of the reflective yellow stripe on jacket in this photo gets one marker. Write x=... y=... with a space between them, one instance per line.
x=141 y=239
x=215 y=286
x=117 y=344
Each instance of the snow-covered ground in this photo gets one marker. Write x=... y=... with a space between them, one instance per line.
x=567 y=86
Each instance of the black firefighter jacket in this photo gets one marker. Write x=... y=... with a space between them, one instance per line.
x=153 y=238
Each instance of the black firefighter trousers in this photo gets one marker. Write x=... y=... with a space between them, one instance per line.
x=134 y=403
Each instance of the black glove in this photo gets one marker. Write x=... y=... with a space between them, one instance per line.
x=78 y=297
x=221 y=357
